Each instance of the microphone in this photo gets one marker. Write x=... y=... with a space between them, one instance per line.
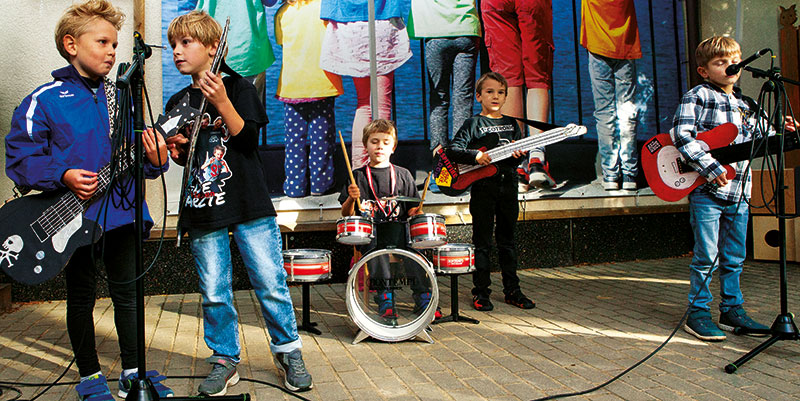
x=733 y=69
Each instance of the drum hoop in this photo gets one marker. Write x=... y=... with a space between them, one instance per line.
x=380 y=331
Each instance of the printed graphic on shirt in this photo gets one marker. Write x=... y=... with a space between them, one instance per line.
x=211 y=170
x=496 y=128
x=380 y=210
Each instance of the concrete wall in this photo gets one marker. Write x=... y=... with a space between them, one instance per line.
x=29 y=55
x=753 y=23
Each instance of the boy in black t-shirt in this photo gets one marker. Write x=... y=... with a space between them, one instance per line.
x=228 y=193
x=492 y=198
x=379 y=179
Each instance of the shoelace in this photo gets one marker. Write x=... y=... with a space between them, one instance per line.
x=296 y=363
x=218 y=372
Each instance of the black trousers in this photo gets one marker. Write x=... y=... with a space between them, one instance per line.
x=493 y=202
x=120 y=266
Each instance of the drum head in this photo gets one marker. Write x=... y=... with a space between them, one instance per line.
x=392 y=294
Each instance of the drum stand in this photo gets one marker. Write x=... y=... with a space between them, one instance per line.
x=454 y=316
x=307 y=325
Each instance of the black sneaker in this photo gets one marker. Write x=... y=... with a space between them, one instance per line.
x=518 y=299
x=482 y=303
x=291 y=364
x=737 y=318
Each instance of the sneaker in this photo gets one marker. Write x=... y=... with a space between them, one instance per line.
x=736 y=318
x=628 y=183
x=421 y=302
x=610 y=185
x=438 y=314
x=539 y=175
x=291 y=364
x=518 y=299
x=94 y=388
x=482 y=303
x=385 y=305
x=126 y=383
x=223 y=374
x=434 y=188
x=699 y=324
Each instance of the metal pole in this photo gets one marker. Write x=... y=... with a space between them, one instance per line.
x=373 y=62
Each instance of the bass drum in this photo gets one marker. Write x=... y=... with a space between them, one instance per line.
x=392 y=295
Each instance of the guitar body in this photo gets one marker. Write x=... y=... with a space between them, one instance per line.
x=451 y=178
x=666 y=172
x=39 y=235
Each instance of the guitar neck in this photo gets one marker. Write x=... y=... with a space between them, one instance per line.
x=528 y=143
x=741 y=151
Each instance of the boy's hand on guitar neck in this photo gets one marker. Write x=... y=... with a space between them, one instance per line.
x=213 y=89
x=483 y=159
x=83 y=183
x=789 y=124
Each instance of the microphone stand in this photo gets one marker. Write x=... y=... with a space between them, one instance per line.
x=783 y=328
x=142 y=389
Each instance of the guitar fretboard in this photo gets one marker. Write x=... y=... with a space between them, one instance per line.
x=528 y=143
x=68 y=206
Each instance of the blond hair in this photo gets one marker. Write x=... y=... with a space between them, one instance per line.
x=76 y=19
x=493 y=76
x=715 y=46
x=379 y=126
x=196 y=24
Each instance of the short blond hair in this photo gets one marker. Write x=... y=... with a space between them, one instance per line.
x=715 y=46
x=196 y=24
x=379 y=126
x=77 y=18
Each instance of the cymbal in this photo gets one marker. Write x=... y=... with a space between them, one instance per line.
x=401 y=198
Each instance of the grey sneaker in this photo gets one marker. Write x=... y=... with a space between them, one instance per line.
x=223 y=374
x=294 y=369
x=699 y=324
x=737 y=317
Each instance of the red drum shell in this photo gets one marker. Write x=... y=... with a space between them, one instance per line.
x=354 y=230
x=454 y=259
x=307 y=265
x=427 y=230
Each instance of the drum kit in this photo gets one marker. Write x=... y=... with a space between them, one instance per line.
x=391 y=292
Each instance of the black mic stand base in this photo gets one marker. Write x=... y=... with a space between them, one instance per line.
x=782 y=329
x=144 y=390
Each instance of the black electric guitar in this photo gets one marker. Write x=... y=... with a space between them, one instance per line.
x=40 y=232
x=454 y=179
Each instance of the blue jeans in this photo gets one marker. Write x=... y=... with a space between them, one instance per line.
x=450 y=58
x=613 y=88
x=259 y=243
x=719 y=227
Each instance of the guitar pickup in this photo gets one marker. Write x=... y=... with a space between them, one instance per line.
x=681 y=167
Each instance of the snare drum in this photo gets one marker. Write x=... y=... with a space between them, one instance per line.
x=427 y=230
x=354 y=230
x=454 y=259
x=307 y=265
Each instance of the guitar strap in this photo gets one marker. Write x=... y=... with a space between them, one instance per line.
x=537 y=124
x=111 y=100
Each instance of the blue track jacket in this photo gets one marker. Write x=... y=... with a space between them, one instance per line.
x=63 y=125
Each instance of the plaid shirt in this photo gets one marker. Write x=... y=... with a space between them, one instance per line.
x=705 y=107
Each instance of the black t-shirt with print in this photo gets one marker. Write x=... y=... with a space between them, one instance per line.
x=475 y=128
x=381 y=182
x=227 y=183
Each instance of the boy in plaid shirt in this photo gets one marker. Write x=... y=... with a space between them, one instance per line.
x=718 y=212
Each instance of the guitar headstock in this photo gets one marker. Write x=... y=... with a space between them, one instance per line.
x=574 y=130
x=170 y=125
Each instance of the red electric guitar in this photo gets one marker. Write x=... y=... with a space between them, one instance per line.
x=454 y=179
x=671 y=179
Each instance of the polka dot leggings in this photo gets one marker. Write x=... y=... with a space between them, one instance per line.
x=309 y=137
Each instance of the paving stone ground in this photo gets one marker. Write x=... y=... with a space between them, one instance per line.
x=590 y=324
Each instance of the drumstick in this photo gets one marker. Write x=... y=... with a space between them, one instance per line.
x=349 y=169
x=425 y=190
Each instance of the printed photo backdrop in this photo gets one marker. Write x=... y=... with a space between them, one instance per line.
x=660 y=76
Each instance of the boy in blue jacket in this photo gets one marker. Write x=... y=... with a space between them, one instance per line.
x=60 y=138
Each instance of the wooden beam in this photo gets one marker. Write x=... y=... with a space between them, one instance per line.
x=138 y=16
